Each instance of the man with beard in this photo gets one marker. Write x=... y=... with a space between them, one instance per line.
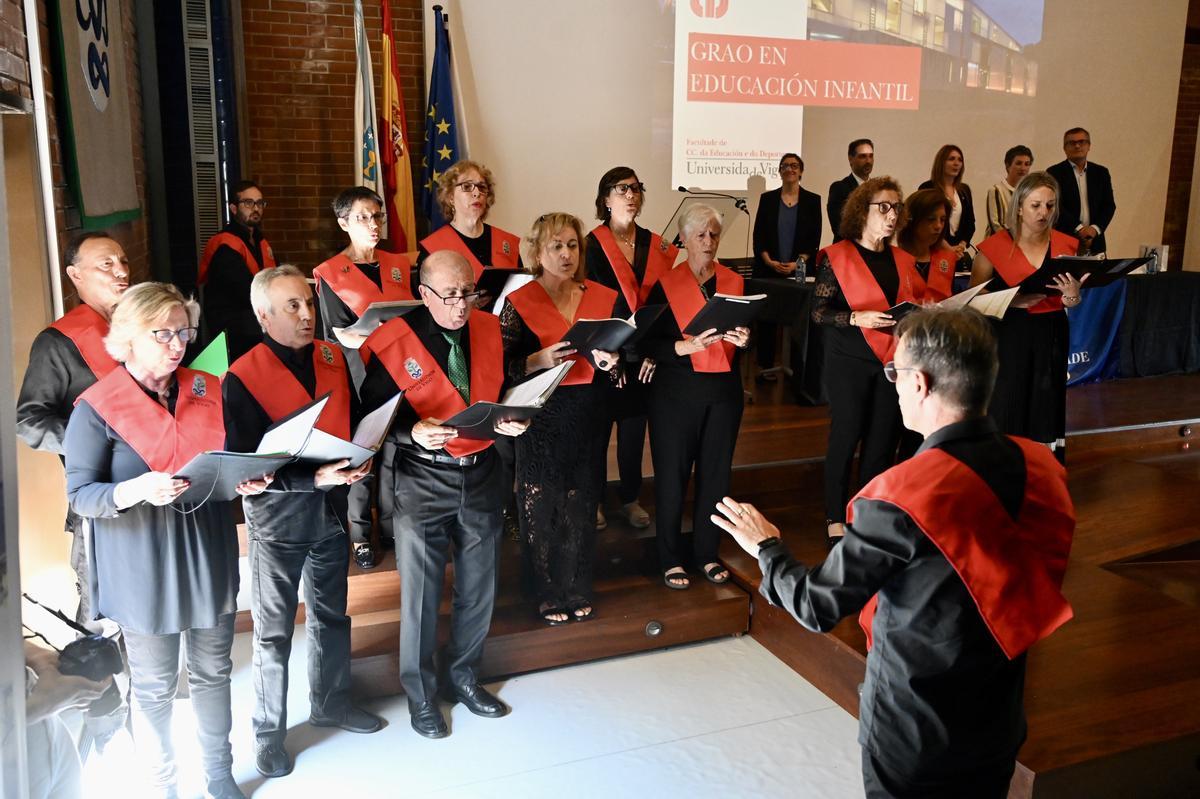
x=231 y=260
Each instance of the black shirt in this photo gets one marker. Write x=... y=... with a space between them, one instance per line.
x=940 y=697
x=675 y=375
x=832 y=309
x=292 y=509
x=227 y=293
x=56 y=376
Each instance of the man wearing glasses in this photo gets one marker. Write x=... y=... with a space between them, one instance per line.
x=231 y=260
x=953 y=561
x=1085 y=194
x=448 y=490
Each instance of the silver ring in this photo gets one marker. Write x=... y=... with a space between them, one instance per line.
x=740 y=512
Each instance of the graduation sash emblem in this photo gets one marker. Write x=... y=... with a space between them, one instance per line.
x=326 y=353
x=413 y=368
x=199 y=387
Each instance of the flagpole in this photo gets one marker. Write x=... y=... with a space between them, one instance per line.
x=459 y=99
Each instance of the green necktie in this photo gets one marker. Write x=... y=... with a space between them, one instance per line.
x=456 y=365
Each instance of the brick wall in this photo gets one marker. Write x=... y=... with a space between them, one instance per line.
x=14 y=76
x=300 y=68
x=1183 y=150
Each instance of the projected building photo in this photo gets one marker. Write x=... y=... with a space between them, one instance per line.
x=976 y=45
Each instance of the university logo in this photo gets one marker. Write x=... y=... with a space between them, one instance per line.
x=506 y=248
x=199 y=386
x=326 y=353
x=943 y=266
x=413 y=368
x=397 y=275
x=662 y=245
x=710 y=8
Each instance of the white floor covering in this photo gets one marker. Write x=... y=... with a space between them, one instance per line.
x=719 y=719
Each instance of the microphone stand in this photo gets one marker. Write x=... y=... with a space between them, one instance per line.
x=738 y=202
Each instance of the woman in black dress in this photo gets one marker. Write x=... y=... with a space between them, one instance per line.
x=696 y=400
x=1030 y=398
x=162 y=574
x=858 y=280
x=558 y=479
x=628 y=259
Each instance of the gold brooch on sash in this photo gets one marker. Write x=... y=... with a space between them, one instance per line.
x=326 y=354
x=944 y=266
x=505 y=248
x=397 y=276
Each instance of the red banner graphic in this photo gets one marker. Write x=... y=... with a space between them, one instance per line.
x=769 y=71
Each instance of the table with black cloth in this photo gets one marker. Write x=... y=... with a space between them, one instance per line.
x=790 y=304
x=1160 y=330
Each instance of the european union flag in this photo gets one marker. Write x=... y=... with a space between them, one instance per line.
x=441 y=128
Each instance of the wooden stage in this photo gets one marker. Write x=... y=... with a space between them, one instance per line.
x=1113 y=697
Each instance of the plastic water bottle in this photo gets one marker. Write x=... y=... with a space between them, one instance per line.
x=799 y=274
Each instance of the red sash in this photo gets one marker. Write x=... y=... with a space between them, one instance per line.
x=233 y=241
x=357 y=290
x=863 y=293
x=940 y=283
x=279 y=393
x=660 y=258
x=164 y=442
x=538 y=311
x=1013 y=568
x=686 y=300
x=426 y=387
x=1012 y=265
x=506 y=248
x=87 y=328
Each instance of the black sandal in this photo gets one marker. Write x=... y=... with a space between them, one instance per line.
x=676 y=573
x=578 y=605
x=548 y=609
x=711 y=572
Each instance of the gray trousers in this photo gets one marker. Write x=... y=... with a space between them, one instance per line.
x=438 y=507
x=275 y=570
x=154 y=666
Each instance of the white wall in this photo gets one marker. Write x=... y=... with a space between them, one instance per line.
x=554 y=93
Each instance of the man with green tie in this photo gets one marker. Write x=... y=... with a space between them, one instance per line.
x=448 y=490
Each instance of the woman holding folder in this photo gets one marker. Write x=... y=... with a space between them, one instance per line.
x=158 y=572
x=558 y=481
x=858 y=279
x=1030 y=398
x=696 y=399
x=628 y=259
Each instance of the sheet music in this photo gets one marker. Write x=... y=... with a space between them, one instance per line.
x=515 y=282
x=374 y=426
x=292 y=434
x=995 y=303
x=962 y=298
x=531 y=393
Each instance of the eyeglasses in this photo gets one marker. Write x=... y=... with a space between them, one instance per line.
x=629 y=189
x=468 y=186
x=165 y=335
x=892 y=372
x=789 y=165
x=252 y=203
x=886 y=207
x=454 y=299
x=379 y=219
x=1077 y=142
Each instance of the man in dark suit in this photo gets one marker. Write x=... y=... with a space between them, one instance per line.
x=861 y=153
x=1085 y=194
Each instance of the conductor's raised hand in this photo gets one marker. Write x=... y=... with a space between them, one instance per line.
x=743 y=521
x=513 y=427
x=430 y=434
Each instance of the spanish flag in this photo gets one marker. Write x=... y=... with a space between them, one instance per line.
x=397 y=167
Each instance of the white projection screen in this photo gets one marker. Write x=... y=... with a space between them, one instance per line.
x=554 y=92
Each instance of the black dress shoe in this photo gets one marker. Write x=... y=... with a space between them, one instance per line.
x=427 y=719
x=273 y=761
x=476 y=699
x=364 y=556
x=353 y=719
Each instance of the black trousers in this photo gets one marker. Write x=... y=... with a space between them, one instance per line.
x=275 y=571
x=373 y=491
x=883 y=782
x=862 y=408
x=438 y=507
x=631 y=442
x=687 y=432
x=765 y=334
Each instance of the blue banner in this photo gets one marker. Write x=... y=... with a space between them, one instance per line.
x=441 y=128
x=1093 y=354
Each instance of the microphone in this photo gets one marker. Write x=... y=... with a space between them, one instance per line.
x=739 y=202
